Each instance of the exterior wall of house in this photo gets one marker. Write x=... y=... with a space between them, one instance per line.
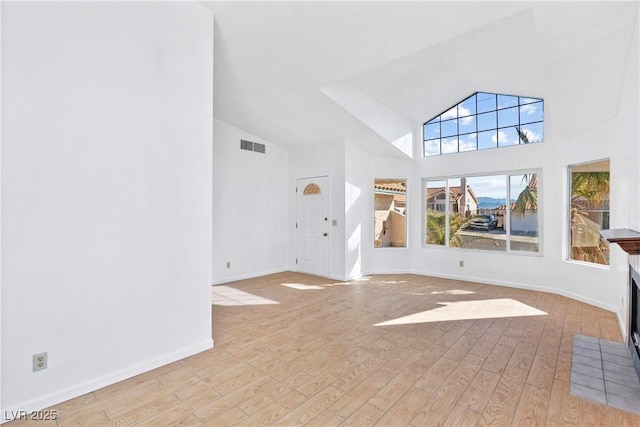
x=526 y=224
x=106 y=193
x=382 y=220
x=398 y=235
x=389 y=224
x=472 y=206
x=383 y=202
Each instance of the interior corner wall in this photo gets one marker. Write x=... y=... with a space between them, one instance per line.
x=251 y=212
x=625 y=207
x=106 y=193
x=358 y=209
x=325 y=159
x=630 y=136
x=634 y=136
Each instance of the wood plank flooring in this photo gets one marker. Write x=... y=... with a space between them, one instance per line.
x=316 y=358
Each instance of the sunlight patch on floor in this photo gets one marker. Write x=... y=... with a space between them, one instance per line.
x=355 y=282
x=453 y=292
x=228 y=296
x=462 y=310
x=301 y=287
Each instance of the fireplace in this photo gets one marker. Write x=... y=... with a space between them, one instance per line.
x=629 y=241
x=634 y=317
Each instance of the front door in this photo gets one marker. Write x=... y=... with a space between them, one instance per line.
x=312 y=226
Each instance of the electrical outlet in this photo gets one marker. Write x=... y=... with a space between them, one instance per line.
x=228 y=264
x=460 y=263
x=39 y=361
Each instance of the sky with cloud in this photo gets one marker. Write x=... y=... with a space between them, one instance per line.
x=488 y=185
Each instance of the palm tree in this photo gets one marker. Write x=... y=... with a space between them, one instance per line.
x=591 y=186
x=528 y=197
x=588 y=190
x=436 y=231
x=435 y=227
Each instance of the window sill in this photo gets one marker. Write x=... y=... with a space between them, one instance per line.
x=588 y=264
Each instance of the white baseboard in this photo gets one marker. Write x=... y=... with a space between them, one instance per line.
x=248 y=276
x=526 y=286
x=517 y=285
x=103 y=381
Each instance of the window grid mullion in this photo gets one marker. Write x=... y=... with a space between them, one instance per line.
x=476 y=116
x=507 y=214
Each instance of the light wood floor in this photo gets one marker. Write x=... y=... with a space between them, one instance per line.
x=317 y=359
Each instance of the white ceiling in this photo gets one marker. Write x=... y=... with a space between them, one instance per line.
x=276 y=63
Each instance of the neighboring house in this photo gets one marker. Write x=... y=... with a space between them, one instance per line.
x=597 y=212
x=390 y=221
x=587 y=219
x=524 y=225
x=436 y=200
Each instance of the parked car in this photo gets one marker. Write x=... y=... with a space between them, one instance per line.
x=484 y=222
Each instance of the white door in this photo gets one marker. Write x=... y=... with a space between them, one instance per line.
x=312 y=226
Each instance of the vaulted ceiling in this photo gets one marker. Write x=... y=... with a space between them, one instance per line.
x=299 y=73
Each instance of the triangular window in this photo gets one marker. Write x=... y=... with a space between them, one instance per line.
x=485 y=120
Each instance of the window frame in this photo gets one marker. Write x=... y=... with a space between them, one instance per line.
x=406 y=227
x=569 y=195
x=521 y=101
x=507 y=224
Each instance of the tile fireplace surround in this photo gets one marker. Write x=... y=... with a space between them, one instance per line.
x=606 y=371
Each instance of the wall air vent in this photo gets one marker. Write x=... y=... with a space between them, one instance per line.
x=252 y=146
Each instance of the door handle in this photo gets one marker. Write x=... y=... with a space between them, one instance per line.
x=325 y=234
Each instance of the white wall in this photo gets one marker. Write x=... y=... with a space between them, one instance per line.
x=327 y=159
x=628 y=143
x=358 y=190
x=251 y=206
x=624 y=171
x=106 y=192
